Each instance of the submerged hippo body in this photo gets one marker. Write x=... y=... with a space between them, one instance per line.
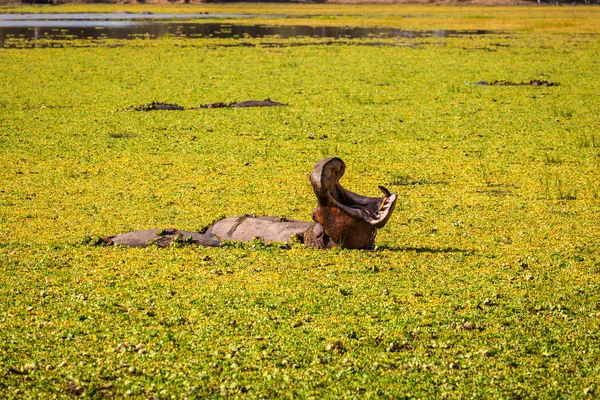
x=257 y=103
x=242 y=229
x=267 y=229
x=342 y=219
x=162 y=238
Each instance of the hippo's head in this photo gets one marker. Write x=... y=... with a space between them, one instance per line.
x=348 y=220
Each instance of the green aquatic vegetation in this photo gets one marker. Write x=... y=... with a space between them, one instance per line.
x=484 y=284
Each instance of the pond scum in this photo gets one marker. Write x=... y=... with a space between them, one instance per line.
x=485 y=281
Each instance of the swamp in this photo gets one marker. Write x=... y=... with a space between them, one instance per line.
x=485 y=121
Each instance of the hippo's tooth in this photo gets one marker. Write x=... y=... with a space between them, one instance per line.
x=382 y=205
x=385 y=191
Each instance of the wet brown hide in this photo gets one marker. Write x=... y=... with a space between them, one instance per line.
x=349 y=220
x=343 y=230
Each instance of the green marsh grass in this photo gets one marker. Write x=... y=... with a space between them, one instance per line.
x=485 y=281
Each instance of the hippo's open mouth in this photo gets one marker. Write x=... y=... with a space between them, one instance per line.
x=325 y=180
x=375 y=211
x=350 y=219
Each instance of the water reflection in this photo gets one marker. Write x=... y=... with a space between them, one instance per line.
x=9 y=19
x=78 y=28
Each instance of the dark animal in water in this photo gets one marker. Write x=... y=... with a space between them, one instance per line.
x=342 y=219
x=164 y=106
x=533 y=82
x=249 y=103
x=155 y=106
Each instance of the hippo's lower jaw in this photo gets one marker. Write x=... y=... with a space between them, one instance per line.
x=342 y=219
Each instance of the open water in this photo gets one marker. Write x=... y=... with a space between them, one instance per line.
x=64 y=27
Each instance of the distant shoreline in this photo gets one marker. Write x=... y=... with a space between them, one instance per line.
x=430 y=2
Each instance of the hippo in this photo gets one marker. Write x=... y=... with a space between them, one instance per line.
x=341 y=219
x=155 y=105
x=243 y=104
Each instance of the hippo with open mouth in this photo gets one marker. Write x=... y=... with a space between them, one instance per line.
x=342 y=219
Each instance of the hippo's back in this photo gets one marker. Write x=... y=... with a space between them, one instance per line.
x=267 y=229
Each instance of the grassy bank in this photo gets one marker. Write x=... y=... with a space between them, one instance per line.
x=485 y=282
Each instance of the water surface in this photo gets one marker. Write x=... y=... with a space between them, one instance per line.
x=64 y=27
x=12 y=19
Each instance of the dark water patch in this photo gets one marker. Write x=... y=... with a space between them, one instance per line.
x=532 y=82
x=165 y=106
x=120 y=135
x=496 y=192
x=154 y=106
x=430 y=250
x=69 y=19
x=38 y=33
x=316 y=42
x=499 y=189
x=248 y=103
x=405 y=180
